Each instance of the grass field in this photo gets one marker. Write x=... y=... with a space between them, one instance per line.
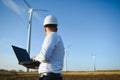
x=98 y=75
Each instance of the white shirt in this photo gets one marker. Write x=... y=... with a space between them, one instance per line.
x=51 y=55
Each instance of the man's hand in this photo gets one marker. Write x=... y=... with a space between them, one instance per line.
x=33 y=58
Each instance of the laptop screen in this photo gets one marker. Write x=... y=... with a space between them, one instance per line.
x=21 y=54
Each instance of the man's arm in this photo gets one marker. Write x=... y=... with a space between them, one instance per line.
x=48 y=47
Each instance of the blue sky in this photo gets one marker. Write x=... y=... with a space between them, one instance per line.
x=88 y=27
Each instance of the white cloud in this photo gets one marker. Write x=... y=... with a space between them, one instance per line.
x=13 y=6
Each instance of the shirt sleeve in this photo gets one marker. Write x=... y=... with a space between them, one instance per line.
x=48 y=47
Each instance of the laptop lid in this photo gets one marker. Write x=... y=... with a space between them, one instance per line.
x=21 y=54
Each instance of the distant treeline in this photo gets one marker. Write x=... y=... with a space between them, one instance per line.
x=63 y=71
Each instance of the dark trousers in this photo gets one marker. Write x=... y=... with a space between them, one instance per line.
x=52 y=76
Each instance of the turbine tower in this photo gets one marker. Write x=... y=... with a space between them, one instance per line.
x=66 y=53
x=30 y=26
x=94 y=62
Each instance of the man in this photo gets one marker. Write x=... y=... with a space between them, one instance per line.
x=51 y=55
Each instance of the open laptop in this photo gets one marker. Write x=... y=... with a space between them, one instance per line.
x=24 y=58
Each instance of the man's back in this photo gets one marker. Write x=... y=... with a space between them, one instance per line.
x=54 y=53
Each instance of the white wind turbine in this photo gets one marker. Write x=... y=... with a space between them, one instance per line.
x=30 y=26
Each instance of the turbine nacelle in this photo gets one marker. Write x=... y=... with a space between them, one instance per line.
x=30 y=11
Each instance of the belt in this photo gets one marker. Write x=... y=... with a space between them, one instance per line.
x=43 y=74
x=49 y=73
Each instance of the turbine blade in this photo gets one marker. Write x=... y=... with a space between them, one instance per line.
x=40 y=10
x=27 y=4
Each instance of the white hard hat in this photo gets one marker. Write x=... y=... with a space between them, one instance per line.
x=50 y=19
